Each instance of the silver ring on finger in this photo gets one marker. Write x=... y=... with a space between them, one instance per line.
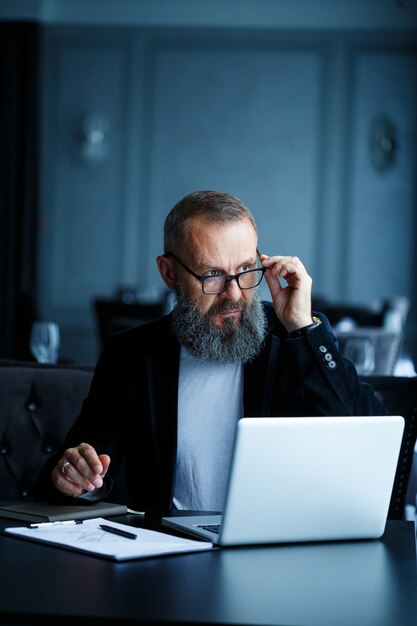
x=63 y=466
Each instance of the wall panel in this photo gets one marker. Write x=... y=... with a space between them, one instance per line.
x=83 y=213
x=381 y=220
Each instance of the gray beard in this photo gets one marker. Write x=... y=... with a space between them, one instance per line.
x=234 y=342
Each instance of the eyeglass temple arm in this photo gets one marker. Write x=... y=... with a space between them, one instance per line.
x=171 y=254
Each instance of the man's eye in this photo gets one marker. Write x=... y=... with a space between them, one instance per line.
x=245 y=267
x=212 y=273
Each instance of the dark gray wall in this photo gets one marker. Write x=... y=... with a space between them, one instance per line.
x=282 y=119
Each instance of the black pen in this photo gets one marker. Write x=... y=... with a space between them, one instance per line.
x=118 y=531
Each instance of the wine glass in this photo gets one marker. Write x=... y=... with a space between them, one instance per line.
x=360 y=351
x=44 y=342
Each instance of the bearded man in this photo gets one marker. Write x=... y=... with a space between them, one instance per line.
x=166 y=396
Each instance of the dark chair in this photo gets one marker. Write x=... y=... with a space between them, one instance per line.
x=399 y=396
x=361 y=315
x=112 y=316
x=389 y=313
x=385 y=347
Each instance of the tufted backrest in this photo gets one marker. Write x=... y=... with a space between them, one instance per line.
x=37 y=407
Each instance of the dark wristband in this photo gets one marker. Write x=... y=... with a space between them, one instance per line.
x=300 y=332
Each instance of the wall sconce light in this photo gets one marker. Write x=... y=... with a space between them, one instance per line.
x=384 y=143
x=94 y=138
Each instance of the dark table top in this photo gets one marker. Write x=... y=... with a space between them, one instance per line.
x=341 y=583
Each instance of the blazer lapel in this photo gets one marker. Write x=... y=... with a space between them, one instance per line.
x=259 y=376
x=163 y=372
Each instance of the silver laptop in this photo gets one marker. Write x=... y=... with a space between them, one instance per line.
x=296 y=479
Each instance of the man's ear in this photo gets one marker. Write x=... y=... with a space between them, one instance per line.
x=166 y=269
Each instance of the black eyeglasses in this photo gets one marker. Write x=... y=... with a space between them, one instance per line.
x=217 y=284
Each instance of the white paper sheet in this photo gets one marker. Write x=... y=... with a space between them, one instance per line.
x=89 y=537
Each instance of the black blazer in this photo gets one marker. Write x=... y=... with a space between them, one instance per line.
x=131 y=409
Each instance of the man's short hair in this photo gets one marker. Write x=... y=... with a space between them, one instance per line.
x=213 y=206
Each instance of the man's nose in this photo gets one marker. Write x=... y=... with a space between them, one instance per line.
x=233 y=292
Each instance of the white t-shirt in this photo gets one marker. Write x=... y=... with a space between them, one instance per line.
x=210 y=402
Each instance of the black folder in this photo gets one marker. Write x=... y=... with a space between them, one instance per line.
x=45 y=512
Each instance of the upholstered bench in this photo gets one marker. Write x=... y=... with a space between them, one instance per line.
x=38 y=404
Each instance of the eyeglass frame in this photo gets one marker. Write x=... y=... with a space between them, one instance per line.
x=229 y=277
